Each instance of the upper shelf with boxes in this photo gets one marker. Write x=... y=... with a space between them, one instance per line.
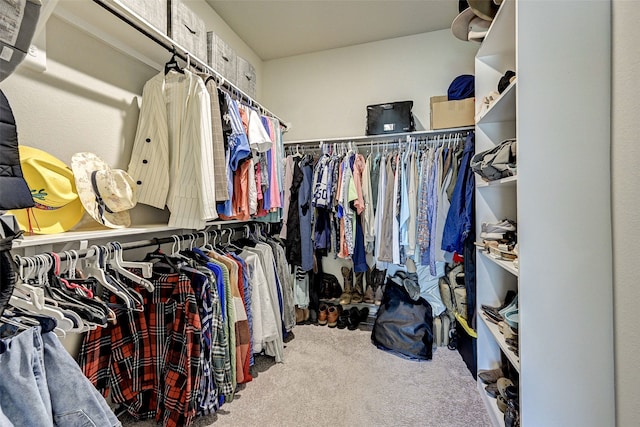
x=167 y=23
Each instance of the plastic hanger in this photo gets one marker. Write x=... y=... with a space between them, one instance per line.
x=94 y=267
x=172 y=64
x=115 y=262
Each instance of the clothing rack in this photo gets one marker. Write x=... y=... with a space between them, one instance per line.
x=170 y=45
x=391 y=138
x=21 y=261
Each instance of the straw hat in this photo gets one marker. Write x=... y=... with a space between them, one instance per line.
x=107 y=194
x=57 y=205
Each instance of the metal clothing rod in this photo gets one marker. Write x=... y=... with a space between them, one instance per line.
x=82 y=253
x=384 y=138
x=186 y=56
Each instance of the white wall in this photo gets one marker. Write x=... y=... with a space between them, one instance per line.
x=625 y=153
x=325 y=94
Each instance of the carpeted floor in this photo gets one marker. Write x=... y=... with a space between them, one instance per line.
x=334 y=377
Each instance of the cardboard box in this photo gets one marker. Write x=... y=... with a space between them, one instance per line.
x=451 y=114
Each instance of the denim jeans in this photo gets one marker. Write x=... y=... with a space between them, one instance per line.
x=41 y=385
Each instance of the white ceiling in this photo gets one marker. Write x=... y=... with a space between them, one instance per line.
x=281 y=28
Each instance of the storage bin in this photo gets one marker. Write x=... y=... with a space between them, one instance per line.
x=451 y=114
x=153 y=11
x=226 y=61
x=246 y=77
x=188 y=30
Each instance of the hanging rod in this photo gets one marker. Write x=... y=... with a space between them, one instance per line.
x=384 y=138
x=82 y=253
x=172 y=47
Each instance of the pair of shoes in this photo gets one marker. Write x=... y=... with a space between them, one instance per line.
x=328 y=314
x=356 y=316
x=302 y=316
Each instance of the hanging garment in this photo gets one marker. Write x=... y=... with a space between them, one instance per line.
x=41 y=384
x=219 y=158
x=304 y=211
x=172 y=157
x=460 y=216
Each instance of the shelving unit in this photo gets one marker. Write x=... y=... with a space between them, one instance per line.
x=561 y=202
x=507 y=265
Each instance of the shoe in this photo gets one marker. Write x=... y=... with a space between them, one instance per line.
x=333 y=315
x=358 y=290
x=512 y=414
x=347 y=275
x=299 y=316
x=492 y=390
x=355 y=317
x=501 y=227
x=343 y=319
x=491 y=376
x=323 y=313
x=503 y=383
x=502 y=404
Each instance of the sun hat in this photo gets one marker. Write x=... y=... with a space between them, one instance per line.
x=485 y=9
x=107 y=194
x=57 y=205
x=467 y=26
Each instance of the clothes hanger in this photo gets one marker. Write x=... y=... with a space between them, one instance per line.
x=115 y=262
x=172 y=64
x=94 y=267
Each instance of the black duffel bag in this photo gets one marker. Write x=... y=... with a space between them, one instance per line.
x=392 y=117
x=403 y=326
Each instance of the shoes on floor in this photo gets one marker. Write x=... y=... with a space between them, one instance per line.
x=492 y=390
x=343 y=319
x=323 y=312
x=356 y=316
x=333 y=313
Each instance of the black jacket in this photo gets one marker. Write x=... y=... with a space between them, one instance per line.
x=14 y=192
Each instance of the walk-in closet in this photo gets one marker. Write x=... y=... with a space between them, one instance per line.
x=369 y=213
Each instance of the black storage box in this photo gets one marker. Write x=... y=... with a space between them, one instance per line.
x=393 y=117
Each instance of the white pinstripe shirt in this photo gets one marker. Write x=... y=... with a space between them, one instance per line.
x=172 y=158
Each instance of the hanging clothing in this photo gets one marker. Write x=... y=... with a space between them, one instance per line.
x=172 y=158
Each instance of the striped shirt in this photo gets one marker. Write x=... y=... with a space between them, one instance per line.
x=172 y=158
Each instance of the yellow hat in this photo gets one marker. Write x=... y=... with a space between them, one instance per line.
x=57 y=205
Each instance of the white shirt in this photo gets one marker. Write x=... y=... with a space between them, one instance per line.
x=172 y=158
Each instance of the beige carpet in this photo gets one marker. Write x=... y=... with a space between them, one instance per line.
x=334 y=377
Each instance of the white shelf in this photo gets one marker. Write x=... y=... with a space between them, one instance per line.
x=499 y=338
x=500 y=40
x=496 y=416
x=503 y=109
x=96 y=232
x=507 y=265
x=509 y=181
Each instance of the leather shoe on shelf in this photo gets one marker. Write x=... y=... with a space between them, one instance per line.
x=333 y=313
x=492 y=390
x=490 y=376
x=503 y=383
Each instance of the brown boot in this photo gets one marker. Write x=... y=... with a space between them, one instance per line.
x=332 y=315
x=347 y=274
x=369 y=294
x=323 y=312
x=358 y=290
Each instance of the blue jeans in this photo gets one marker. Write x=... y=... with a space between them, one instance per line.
x=41 y=385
